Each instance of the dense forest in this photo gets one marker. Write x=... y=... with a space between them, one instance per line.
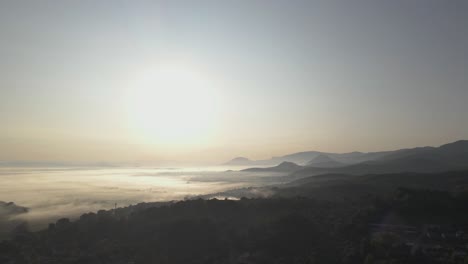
x=401 y=225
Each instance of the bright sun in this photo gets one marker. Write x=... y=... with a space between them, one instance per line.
x=173 y=105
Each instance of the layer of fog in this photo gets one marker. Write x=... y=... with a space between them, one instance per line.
x=53 y=193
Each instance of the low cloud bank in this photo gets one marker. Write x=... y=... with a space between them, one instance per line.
x=44 y=195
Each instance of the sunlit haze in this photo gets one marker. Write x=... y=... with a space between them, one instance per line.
x=201 y=82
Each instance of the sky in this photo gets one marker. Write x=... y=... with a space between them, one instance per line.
x=205 y=81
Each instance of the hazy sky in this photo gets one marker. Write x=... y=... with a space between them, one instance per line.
x=203 y=81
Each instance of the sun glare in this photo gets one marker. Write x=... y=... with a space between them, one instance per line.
x=172 y=104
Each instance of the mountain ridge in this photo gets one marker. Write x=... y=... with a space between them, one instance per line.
x=447 y=157
x=347 y=158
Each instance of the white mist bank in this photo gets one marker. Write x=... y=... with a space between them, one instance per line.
x=52 y=193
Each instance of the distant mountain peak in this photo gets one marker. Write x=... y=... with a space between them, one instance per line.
x=238 y=161
x=323 y=161
x=288 y=165
x=321 y=158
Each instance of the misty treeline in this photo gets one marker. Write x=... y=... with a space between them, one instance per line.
x=273 y=230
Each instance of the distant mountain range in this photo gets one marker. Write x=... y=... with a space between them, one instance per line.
x=449 y=157
x=304 y=158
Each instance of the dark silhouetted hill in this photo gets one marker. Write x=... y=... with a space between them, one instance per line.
x=10 y=209
x=8 y=222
